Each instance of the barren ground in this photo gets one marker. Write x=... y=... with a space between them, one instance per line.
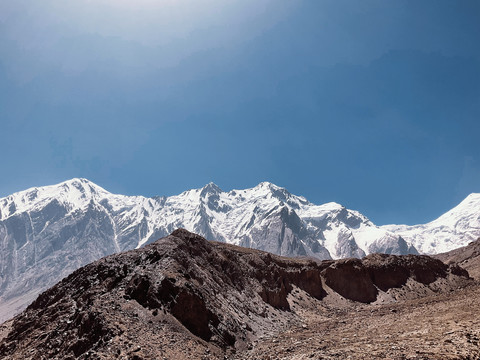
x=444 y=326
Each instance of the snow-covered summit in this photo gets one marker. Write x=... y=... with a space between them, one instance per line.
x=457 y=227
x=210 y=188
x=243 y=217
x=74 y=193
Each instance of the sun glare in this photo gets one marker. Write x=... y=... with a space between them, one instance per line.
x=145 y=4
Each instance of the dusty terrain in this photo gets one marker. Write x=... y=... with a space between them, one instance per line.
x=185 y=298
x=442 y=326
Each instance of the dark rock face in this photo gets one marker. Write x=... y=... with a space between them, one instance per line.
x=218 y=294
x=358 y=280
x=351 y=279
x=390 y=271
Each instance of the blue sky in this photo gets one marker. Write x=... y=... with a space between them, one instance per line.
x=372 y=104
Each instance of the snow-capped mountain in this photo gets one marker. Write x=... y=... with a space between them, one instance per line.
x=454 y=229
x=47 y=232
x=269 y=218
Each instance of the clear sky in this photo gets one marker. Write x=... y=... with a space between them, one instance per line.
x=372 y=104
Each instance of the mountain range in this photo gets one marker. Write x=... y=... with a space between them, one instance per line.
x=48 y=232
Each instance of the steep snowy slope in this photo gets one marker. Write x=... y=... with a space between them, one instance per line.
x=47 y=232
x=454 y=229
x=269 y=218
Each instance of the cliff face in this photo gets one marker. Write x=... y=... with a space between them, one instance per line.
x=183 y=296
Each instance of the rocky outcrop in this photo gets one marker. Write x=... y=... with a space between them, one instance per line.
x=184 y=289
x=394 y=271
x=351 y=279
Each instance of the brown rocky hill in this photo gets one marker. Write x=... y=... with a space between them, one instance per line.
x=467 y=257
x=183 y=297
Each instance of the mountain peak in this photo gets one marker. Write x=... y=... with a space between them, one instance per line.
x=210 y=188
x=276 y=191
x=76 y=192
x=268 y=185
x=78 y=182
x=473 y=196
x=85 y=184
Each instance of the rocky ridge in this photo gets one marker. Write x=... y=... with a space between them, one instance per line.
x=184 y=297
